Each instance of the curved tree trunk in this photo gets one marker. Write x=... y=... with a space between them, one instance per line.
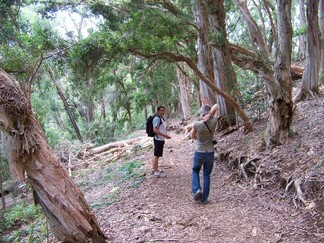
x=210 y=82
x=254 y=31
x=228 y=98
x=278 y=84
x=64 y=205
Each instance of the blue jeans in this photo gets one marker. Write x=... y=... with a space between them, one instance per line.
x=207 y=161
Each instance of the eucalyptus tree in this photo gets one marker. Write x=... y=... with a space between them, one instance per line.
x=170 y=40
x=310 y=81
x=302 y=31
x=185 y=90
x=29 y=153
x=214 y=60
x=66 y=105
x=64 y=205
x=275 y=73
x=321 y=14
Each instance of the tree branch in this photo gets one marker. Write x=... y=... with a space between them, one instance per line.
x=172 y=57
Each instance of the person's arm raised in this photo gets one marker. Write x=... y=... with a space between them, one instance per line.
x=212 y=113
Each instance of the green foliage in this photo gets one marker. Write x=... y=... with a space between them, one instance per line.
x=106 y=200
x=249 y=87
x=4 y=166
x=132 y=172
x=26 y=223
x=123 y=176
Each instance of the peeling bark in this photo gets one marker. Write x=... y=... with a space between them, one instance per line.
x=280 y=104
x=311 y=74
x=64 y=205
x=321 y=14
x=204 y=52
x=224 y=74
x=278 y=82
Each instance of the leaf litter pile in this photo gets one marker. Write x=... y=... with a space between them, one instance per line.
x=257 y=195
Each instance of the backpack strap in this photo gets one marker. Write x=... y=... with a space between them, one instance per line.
x=209 y=130
x=161 y=120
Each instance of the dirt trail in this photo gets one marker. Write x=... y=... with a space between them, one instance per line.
x=162 y=209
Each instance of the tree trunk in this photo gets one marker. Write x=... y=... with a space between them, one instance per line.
x=302 y=37
x=254 y=31
x=204 y=52
x=183 y=92
x=228 y=98
x=210 y=82
x=321 y=14
x=1 y=182
x=129 y=113
x=280 y=105
x=223 y=70
x=89 y=102
x=66 y=106
x=311 y=73
x=64 y=205
x=278 y=84
x=103 y=109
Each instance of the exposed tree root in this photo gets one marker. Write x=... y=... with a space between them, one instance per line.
x=299 y=193
x=266 y=176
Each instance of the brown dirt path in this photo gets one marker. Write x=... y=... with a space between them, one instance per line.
x=163 y=210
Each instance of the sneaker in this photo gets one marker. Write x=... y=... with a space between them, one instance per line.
x=159 y=174
x=161 y=171
x=203 y=202
x=197 y=195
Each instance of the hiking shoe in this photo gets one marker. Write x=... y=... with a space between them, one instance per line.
x=203 y=202
x=197 y=195
x=159 y=174
x=152 y=172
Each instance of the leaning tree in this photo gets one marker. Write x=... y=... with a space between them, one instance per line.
x=32 y=159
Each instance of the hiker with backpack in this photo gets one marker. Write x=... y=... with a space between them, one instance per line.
x=156 y=127
x=203 y=132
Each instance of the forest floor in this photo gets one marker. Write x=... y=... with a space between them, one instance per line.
x=148 y=209
x=260 y=205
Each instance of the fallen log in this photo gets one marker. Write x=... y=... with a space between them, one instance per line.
x=118 y=144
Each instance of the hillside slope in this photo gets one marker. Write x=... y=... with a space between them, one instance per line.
x=257 y=195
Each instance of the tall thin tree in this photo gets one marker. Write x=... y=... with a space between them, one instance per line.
x=311 y=73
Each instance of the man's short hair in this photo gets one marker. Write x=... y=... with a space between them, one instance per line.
x=204 y=109
x=160 y=107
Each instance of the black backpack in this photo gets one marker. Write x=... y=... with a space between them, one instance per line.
x=149 y=125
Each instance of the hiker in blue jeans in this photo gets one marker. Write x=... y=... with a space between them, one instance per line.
x=203 y=132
